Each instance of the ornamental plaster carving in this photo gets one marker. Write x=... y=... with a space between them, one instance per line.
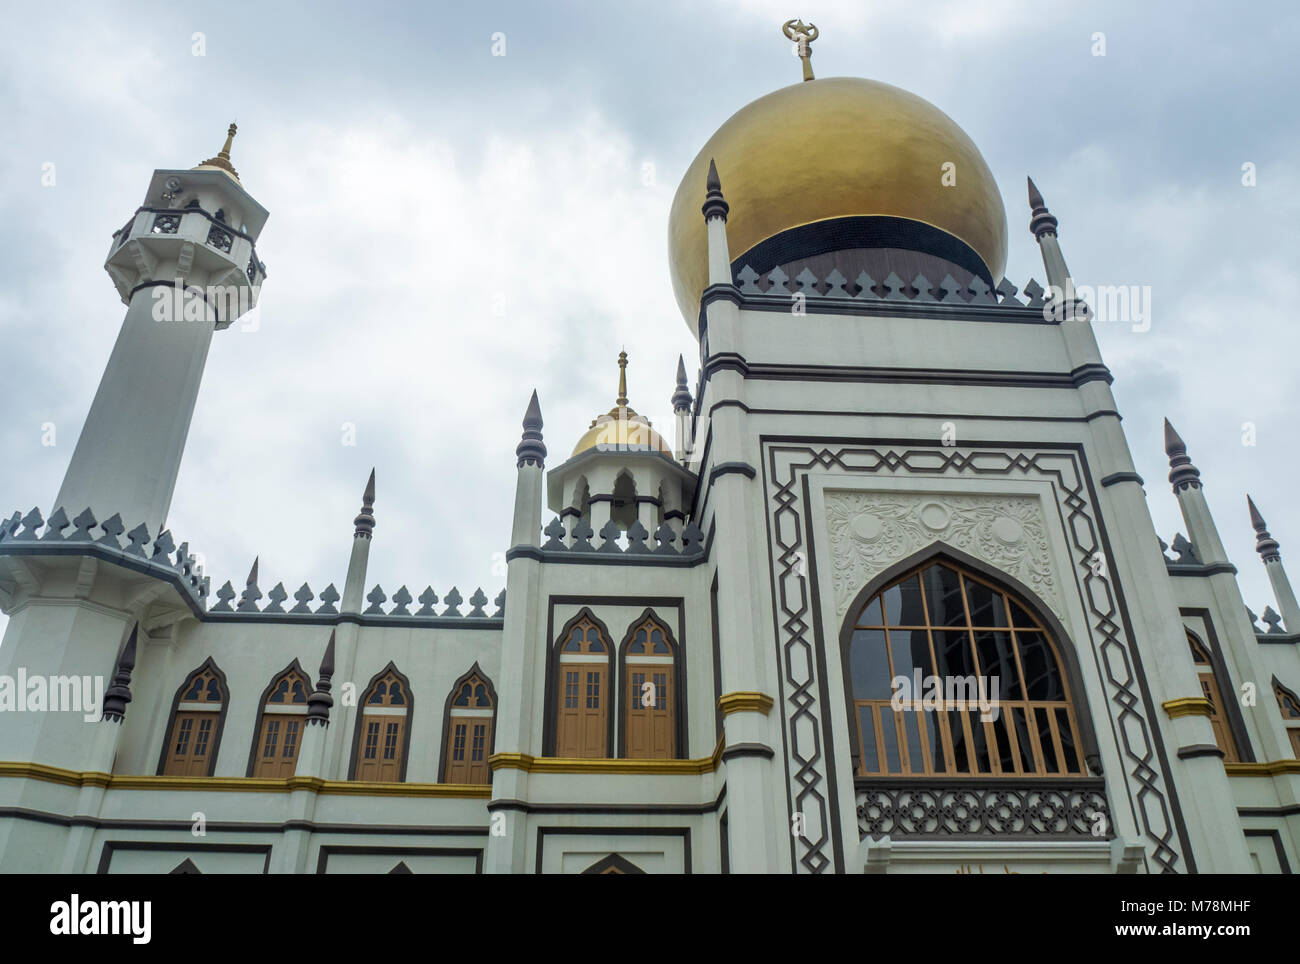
x=870 y=531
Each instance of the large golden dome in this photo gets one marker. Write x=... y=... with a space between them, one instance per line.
x=835 y=148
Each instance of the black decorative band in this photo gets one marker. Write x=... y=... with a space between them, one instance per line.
x=841 y=234
x=1226 y=568
x=1118 y=477
x=748 y=749
x=1198 y=749
x=1043 y=809
x=1095 y=372
x=721 y=292
x=727 y=468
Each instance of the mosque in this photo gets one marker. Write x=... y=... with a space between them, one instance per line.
x=893 y=464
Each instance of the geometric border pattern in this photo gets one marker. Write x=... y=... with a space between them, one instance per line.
x=785 y=468
x=1039 y=810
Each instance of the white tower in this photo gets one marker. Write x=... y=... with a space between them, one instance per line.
x=185 y=265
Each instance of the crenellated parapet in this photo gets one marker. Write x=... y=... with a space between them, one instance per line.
x=572 y=539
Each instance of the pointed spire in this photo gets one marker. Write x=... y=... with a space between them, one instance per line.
x=252 y=573
x=222 y=160
x=1265 y=544
x=715 y=205
x=682 y=395
x=1041 y=221
x=365 y=520
x=1183 y=474
x=118 y=693
x=531 y=450
x=320 y=701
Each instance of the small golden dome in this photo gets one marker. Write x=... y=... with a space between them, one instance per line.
x=834 y=148
x=621 y=429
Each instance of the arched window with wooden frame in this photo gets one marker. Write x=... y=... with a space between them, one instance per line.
x=582 y=669
x=383 y=735
x=194 y=727
x=651 y=697
x=1211 y=690
x=282 y=715
x=468 y=730
x=946 y=617
x=1289 y=704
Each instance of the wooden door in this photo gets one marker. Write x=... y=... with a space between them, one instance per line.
x=190 y=749
x=468 y=739
x=582 y=724
x=380 y=759
x=651 y=730
x=277 y=746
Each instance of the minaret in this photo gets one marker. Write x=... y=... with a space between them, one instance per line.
x=1267 y=548
x=522 y=647
x=682 y=411
x=185 y=266
x=354 y=590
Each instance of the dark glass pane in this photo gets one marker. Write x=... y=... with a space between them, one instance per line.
x=979 y=741
x=480 y=696
x=281 y=692
x=299 y=696
x=893 y=759
x=903 y=604
x=869 y=665
x=870 y=758
x=462 y=698
x=1003 y=748
x=952 y=653
x=871 y=615
x=594 y=642
x=1042 y=681
x=214 y=691
x=194 y=691
x=660 y=646
x=574 y=644
x=395 y=695
x=1023 y=741
x=986 y=606
x=911 y=651
x=938 y=758
x=943 y=596
x=997 y=660
x=1067 y=741
x=378 y=695
x=961 y=761
x=1019 y=617
x=638 y=642
x=1045 y=739
x=912 y=728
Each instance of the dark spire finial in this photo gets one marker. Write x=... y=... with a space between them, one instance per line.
x=1183 y=474
x=715 y=206
x=1041 y=221
x=531 y=450
x=365 y=520
x=682 y=394
x=320 y=701
x=252 y=573
x=118 y=693
x=1265 y=544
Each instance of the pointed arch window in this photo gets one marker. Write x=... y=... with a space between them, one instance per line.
x=1289 y=704
x=383 y=734
x=582 y=691
x=198 y=712
x=650 y=694
x=1210 y=690
x=468 y=735
x=279 y=725
x=943 y=628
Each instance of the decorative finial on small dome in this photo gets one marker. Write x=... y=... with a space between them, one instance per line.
x=715 y=205
x=1041 y=221
x=365 y=520
x=1183 y=474
x=222 y=160
x=802 y=34
x=1265 y=544
x=531 y=450
x=621 y=401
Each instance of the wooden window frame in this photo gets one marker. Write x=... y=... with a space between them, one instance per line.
x=1075 y=704
x=1290 y=722
x=449 y=714
x=554 y=677
x=255 y=748
x=214 y=740
x=677 y=691
x=359 y=726
x=1207 y=674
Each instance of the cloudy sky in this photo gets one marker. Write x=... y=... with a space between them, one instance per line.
x=450 y=229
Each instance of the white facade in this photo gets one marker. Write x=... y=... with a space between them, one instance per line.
x=837 y=438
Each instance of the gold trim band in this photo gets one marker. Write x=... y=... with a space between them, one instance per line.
x=745 y=702
x=1188 y=706
x=1274 y=768
x=119 y=781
